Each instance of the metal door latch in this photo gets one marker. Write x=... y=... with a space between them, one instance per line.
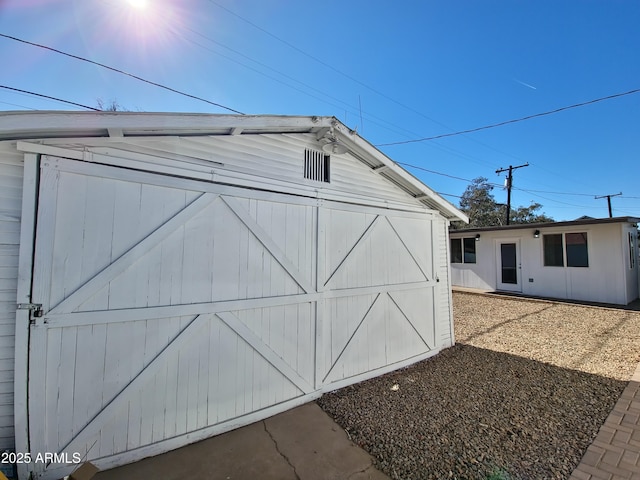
x=35 y=308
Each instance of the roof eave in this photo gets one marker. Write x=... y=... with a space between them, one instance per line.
x=20 y=125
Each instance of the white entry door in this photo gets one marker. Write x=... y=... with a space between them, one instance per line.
x=508 y=265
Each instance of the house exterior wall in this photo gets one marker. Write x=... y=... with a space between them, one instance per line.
x=10 y=211
x=609 y=278
x=269 y=167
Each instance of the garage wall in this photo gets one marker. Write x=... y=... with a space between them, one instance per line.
x=272 y=162
x=10 y=212
x=181 y=308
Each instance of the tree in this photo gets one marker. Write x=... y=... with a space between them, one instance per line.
x=478 y=203
x=529 y=215
x=112 y=106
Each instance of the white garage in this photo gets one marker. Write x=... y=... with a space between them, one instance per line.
x=177 y=276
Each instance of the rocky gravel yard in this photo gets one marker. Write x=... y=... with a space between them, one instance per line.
x=521 y=395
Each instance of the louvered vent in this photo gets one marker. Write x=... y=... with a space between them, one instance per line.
x=316 y=166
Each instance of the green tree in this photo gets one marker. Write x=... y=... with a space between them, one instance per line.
x=479 y=204
x=529 y=215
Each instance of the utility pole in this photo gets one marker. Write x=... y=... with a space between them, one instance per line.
x=509 y=182
x=608 y=197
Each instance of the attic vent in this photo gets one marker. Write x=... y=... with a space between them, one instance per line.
x=316 y=166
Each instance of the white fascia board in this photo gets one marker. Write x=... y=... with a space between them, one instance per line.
x=361 y=147
x=14 y=125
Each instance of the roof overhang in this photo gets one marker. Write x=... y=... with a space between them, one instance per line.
x=538 y=226
x=42 y=125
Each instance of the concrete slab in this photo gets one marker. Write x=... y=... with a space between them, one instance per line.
x=300 y=444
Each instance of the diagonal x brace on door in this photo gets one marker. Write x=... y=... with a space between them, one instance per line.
x=407 y=248
x=366 y=234
x=135 y=253
x=264 y=238
x=348 y=342
x=94 y=425
x=393 y=300
x=255 y=342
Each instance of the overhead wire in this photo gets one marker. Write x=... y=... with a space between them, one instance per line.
x=349 y=77
x=49 y=97
x=266 y=66
x=122 y=72
x=515 y=120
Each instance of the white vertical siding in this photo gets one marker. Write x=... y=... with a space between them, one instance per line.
x=444 y=308
x=10 y=212
x=272 y=162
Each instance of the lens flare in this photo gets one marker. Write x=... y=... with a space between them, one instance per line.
x=139 y=4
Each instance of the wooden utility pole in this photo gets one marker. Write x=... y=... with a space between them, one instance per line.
x=608 y=197
x=509 y=182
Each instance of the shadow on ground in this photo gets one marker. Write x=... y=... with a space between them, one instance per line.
x=470 y=412
x=633 y=306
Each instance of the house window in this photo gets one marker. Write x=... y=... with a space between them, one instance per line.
x=574 y=244
x=632 y=251
x=469 y=250
x=456 y=250
x=553 y=256
x=316 y=166
x=463 y=250
x=577 y=249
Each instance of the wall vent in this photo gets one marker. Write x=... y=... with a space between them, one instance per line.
x=316 y=166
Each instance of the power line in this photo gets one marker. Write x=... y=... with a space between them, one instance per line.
x=522 y=119
x=121 y=72
x=340 y=72
x=325 y=64
x=51 y=98
x=608 y=197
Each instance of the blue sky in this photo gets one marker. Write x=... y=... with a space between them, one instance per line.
x=395 y=70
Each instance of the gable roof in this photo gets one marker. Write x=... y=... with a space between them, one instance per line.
x=41 y=125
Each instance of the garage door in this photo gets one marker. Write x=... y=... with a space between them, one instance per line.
x=174 y=309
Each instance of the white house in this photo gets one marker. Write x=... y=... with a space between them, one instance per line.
x=168 y=277
x=591 y=260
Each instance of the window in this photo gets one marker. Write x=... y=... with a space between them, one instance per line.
x=553 y=256
x=316 y=166
x=574 y=244
x=469 y=250
x=632 y=251
x=456 y=250
x=463 y=250
x=576 y=249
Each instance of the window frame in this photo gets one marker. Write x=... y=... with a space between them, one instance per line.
x=570 y=257
x=546 y=258
x=460 y=255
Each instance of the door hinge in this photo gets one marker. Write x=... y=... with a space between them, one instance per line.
x=34 y=308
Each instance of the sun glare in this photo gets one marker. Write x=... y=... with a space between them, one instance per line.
x=139 y=4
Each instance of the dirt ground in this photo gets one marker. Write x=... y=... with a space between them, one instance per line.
x=600 y=340
x=521 y=395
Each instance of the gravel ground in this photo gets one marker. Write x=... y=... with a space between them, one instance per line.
x=521 y=396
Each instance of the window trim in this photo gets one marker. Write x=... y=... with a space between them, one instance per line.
x=461 y=241
x=565 y=250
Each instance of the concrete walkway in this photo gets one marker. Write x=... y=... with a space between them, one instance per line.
x=300 y=444
x=615 y=453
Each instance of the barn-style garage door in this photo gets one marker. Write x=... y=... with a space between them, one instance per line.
x=175 y=309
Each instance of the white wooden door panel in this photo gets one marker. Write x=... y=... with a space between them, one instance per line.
x=367 y=332
x=109 y=384
x=174 y=309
